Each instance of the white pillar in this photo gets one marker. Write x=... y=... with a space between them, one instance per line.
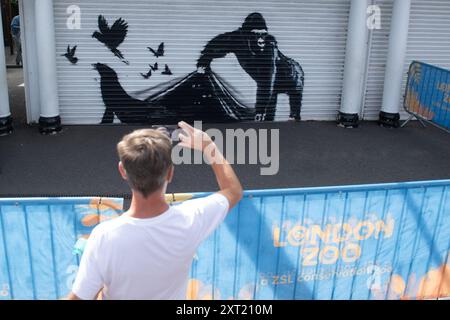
x=5 y=113
x=393 y=77
x=355 y=64
x=49 y=121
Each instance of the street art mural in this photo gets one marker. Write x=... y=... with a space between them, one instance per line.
x=112 y=36
x=370 y=242
x=120 y=104
x=152 y=69
x=258 y=54
x=70 y=54
x=159 y=52
x=189 y=98
x=201 y=94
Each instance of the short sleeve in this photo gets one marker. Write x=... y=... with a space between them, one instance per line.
x=208 y=213
x=89 y=280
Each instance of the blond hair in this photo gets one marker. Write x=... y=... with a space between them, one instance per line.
x=146 y=157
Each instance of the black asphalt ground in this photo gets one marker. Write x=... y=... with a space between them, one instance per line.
x=81 y=160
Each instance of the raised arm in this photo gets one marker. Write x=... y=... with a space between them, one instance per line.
x=229 y=184
x=218 y=47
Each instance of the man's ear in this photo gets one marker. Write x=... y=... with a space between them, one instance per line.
x=170 y=174
x=122 y=171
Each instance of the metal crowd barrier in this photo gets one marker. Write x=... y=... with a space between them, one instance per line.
x=385 y=241
x=427 y=95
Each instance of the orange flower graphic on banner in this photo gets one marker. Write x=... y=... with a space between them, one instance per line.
x=197 y=290
x=413 y=104
x=434 y=284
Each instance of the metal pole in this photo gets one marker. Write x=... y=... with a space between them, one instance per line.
x=49 y=121
x=355 y=64
x=398 y=40
x=5 y=113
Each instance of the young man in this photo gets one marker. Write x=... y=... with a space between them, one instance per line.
x=147 y=252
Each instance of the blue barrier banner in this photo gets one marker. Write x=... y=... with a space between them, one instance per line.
x=428 y=93
x=37 y=239
x=386 y=241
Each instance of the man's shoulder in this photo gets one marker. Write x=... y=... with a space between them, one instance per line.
x=107 y=226
x=198 y=203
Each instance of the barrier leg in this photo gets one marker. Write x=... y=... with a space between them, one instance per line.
x=421 y=122
x=406 y=121
x=410 y=118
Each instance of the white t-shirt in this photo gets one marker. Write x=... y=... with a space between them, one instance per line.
x=150 y=258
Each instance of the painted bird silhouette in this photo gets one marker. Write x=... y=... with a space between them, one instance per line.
x=154 y=67
x=149 y=73
x=118 y=102
x=166 y=70
x=159 y=52
x=70 y=54
x=112 y=37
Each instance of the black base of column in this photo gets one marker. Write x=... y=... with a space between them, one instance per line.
x=389 y=120
x=348 y=120
x=6 y=126
x=50 y=125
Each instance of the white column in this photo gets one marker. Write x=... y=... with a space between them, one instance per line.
x=355 y=63
x=4 y=99
x=46 y=55
x=393 y=77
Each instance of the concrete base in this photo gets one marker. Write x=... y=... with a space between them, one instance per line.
x=49 y=125
x=348 y=120
x=6 y=125
x=389 y=120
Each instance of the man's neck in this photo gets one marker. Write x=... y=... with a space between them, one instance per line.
x=150 y=207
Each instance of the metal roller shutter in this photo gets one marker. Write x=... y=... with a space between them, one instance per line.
x=428 y=41
x=312 y=33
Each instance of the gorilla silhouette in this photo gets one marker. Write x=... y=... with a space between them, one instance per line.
x=258 y=54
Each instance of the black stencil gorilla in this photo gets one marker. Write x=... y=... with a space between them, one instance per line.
x=258 y=54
